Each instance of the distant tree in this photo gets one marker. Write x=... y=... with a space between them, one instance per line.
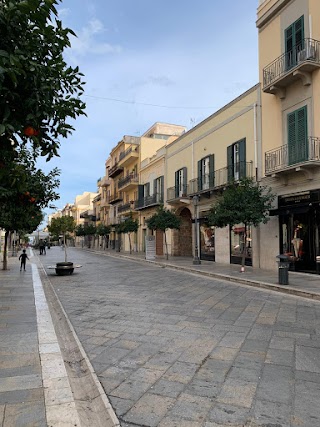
x=62 y=225
x=244 y=202
x=103 y=231
x=164 y=220
x=128 y=226
x=89 y=231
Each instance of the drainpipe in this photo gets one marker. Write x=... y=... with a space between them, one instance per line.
x=255 y=131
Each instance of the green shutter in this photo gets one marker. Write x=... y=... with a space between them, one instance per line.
x=242 y=158
x=155 y=188
x=140 y=192
x=184 y=180
x=199 y=176
x=211 y=170
x=162 y=189
x=297 y=136
x=230 y=162
x=176 y=187
x=294 y=41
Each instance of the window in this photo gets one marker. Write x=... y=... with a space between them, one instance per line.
x=236 y=160
x=294 y=42
x=181 y=182
x=297 y=136
x=158 y=189
x=206 y=173
x=146 y=189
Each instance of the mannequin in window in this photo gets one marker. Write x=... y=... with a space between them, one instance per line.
x=296 y=241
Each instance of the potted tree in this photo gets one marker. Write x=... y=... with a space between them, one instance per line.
x=63 y=226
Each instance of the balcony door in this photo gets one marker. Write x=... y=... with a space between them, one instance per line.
x=206 y=173
x=181 y=182
x=294 y=42
x=298 y=136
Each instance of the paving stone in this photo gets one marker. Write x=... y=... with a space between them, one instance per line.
x=122 y=406
x=149 y=410
x=181 y=372
x=237 y=392
x=306 y=403
x=280 y=357
x=25 y=414
x=276 y=384
x=189 y=407
x=229 y=415
x=307 y=359
x=167 y=388
x=17 y=396
x=271 y=414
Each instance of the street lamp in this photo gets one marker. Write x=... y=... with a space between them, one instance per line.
x=196 y=259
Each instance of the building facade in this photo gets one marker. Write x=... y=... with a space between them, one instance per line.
x=289 y=62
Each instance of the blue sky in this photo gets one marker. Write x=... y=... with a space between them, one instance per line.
x=186 y=58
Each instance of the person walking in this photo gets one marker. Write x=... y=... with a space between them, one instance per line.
x=23 y=258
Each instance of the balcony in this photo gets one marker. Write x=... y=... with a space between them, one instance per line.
x=105 y=181
x=174 y=194
x=128 y=156
x=285 y=159
x=88 y=214
x=115 y=197
x=125 y=207
x=128 y=182
x=148 y=201
x=104 y=203
x=115 y=170
x=291 y=66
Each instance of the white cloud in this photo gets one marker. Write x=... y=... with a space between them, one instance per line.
x=88 y=41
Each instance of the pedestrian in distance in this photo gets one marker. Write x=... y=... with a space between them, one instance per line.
x=23 y=258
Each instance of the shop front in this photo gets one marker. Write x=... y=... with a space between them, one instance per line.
x=207 y=241
x=299 y=222
x=240 y=244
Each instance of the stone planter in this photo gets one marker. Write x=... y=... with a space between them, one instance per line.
x=64 y=268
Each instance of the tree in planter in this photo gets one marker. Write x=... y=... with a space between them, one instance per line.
x=103 y=231
x=128 y=226
x=62 y=225
x=164 y=220
x=244 y=202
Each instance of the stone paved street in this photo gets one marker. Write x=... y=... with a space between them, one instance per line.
x=176 y=349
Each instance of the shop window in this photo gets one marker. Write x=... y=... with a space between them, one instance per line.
x=207 y=242
x=240 y=240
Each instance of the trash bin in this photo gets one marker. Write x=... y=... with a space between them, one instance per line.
x=318 y=264
x=283 y=269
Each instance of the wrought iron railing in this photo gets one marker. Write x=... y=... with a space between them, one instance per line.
x=124 y=208
x=115 y=196
x=115 y=169
x=127 y=152
x=306 y=51
x=285 y=156
x=221 y=177
x=177 y=192
x=155 y=199
x=132 y=178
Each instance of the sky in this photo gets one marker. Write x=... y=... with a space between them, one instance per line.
x=147 y=61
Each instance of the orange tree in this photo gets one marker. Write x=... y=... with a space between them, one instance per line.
x=21 y=204
x=39 y=92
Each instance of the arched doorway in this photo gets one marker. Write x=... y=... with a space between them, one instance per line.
x=182 y=239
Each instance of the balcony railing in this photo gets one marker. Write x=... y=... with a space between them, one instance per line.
x=177 y=192
x=145 y=202
x=128 y=151
x=124 y=208
x=115 y=197
x=130 y=179
x=105 y=181
x=305 y=53
x=285 y=156
x=115 y=170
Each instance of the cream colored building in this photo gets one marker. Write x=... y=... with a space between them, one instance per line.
x=289 y=62
x=124 y=170
x=226 y=146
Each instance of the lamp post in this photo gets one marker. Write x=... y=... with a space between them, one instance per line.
x=196 y=259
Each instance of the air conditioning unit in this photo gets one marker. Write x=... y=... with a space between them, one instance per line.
x=306 y=54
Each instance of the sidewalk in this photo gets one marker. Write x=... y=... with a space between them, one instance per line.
x=34 y=386
x=300 y=284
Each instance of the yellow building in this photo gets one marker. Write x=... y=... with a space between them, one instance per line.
x=289 y=62
x=124 y=171
x=226 y=146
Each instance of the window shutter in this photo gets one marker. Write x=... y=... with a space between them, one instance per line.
x=155 y=188
x=211 y=170
x=199 y=175
x=298 y=32
x=176 y=188
x=140 y=192
x=230 y=162
x=184 y=181
x=242 y=158
x=147 y=189
x=161 y=195
x=302 y=134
